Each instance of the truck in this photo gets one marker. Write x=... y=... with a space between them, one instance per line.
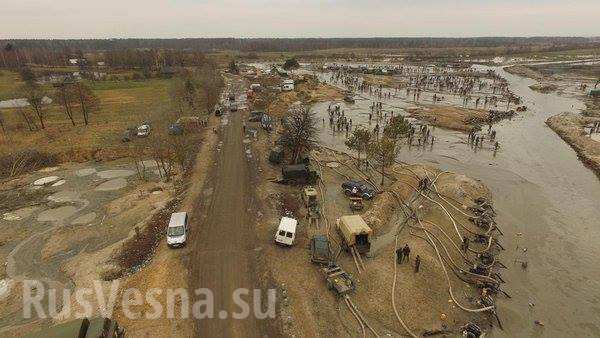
x=299 y=173
x=96 y=327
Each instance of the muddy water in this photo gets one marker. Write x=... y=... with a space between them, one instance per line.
x=548 y=206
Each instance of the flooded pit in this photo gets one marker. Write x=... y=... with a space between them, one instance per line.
x=547 y=202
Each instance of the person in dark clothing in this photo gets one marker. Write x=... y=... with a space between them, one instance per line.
x=399 y=256
x=417 y=263
x=406 y=252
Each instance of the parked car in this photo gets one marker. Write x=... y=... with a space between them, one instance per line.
x=143 y=130
x=286 y=231
x=320 y=251
x=175 y=129
x=177 y=229
x=358 y=189
x=256 y=116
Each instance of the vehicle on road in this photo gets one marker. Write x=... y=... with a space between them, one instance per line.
x=286 y=232
x=288 y=85
x=97 y=327
x=320 y=250
x=177 y=229
x=358 y=189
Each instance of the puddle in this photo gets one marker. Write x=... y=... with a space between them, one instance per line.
x=64 y=196
x=149 y=164
x=19 y=214
x=5 y=286
x=117 y=173
x=48 y=169
x=59 y=183
x=46 y=180
x=84 y=219
x=85 y=172
x=111 y=185
x=57 y=214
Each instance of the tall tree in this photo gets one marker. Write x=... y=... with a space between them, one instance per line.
x=385 y=152
x=299 y=130
x=397 y=128
x=359 y=141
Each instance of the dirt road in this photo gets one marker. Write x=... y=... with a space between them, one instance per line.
x=222 y=256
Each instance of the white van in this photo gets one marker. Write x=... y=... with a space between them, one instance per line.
x=288 y=85
x=177 y=229
x=286 y=232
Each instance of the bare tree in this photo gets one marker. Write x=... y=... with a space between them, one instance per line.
x=35 y=94
x=299 y=130
x=23 y=112
x=65 y=96
x=211 y=84
x=88 y=101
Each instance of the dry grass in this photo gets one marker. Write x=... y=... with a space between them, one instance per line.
x=123 y=104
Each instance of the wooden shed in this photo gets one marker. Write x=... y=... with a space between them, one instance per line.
x=355 y=232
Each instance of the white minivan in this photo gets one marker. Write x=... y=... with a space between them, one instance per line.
x=177 y=229
x=286 y=232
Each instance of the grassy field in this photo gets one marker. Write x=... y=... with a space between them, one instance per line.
x=123 y=104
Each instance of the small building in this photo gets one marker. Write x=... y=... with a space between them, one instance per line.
x=355 y=232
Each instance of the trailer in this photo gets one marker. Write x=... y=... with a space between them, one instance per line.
x=355 y=233
x=338 y=280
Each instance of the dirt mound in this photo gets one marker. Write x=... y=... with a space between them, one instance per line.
x=450 y=117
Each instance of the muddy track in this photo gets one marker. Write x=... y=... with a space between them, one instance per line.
x=222 y=256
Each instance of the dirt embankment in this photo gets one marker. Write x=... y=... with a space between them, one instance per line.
x=306 y=92
x=525 y=71
x=450 y=117
x=545 y=84
x=570 y=127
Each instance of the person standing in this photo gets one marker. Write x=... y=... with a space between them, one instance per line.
x=406 y=252
x=417 y=263
x=399 y=256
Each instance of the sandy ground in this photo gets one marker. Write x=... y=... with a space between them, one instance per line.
x=167 y=268
x=310 y=309
x=307 y=92
x=65 y=232
x=570 y=127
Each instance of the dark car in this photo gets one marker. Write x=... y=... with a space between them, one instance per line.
x=256 y=116
x=320 y=251
x=358 y=189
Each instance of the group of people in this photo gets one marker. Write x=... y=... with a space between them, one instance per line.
x=403 y=255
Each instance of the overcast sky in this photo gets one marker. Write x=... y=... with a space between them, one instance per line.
x=296 y=18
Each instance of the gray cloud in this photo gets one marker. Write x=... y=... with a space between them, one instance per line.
x=295 y=18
